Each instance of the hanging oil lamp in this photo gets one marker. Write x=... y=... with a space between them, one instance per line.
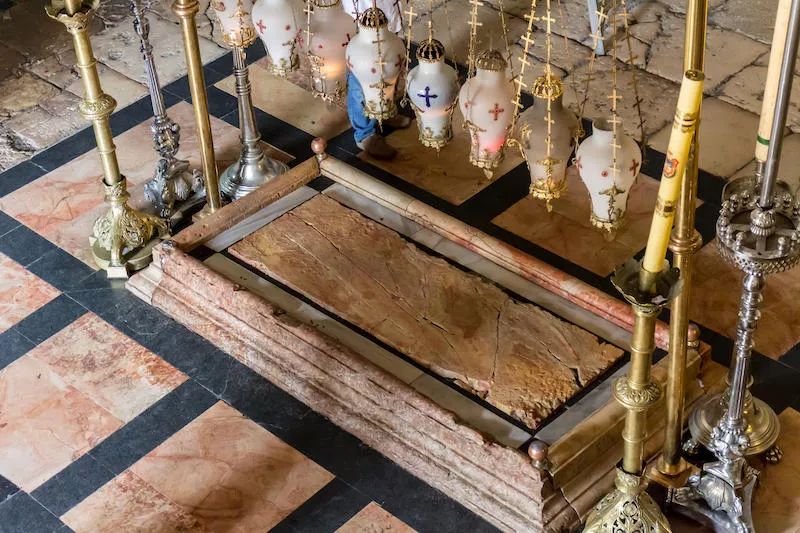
x=432 y=89
x=608 y=162
x=485 y=102
x=375 y=57
x=276 y=25
x=328 y=31
x=547 y=132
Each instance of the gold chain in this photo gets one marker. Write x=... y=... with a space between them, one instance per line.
x=615 y=97
x=528 y=41
x=411 y=14
x=573 y=80
x=473 y=35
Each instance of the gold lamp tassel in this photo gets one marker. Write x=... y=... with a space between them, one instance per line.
x=647 y=287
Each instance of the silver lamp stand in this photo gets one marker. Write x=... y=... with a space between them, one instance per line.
x=254 y=167
x=758 y=231
x=176 y=187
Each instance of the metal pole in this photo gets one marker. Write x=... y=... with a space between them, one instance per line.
x=685 y=241
x=186 y=10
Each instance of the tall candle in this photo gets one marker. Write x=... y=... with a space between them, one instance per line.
x=683 y=127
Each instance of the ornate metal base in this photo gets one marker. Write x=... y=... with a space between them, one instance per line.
x=761 y=422
x=720 y=496
x=123 y=238
x=627 y=509
x=175 y=189
x=248 y=174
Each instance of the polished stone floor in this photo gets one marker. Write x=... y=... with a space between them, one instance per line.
x=114 y=417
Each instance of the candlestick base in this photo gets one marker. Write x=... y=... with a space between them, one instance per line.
x=627 y=508
x=249 y=173
x=123 y=238
x=175 y=189
x=721 y=496
x=761 y=422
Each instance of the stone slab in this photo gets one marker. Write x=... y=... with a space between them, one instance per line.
x=518 y=357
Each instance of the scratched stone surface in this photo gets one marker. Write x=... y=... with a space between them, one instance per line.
x=520 y=358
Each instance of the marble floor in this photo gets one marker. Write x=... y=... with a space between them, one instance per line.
x=164 y=432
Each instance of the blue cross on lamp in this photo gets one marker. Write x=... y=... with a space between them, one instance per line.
x=427 y=96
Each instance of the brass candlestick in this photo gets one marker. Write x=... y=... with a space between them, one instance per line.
x=254 y=168
x=684 y=242
x=186 y=10
x=647 y=287
x=123 y=238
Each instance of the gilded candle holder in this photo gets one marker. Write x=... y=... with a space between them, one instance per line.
x=123 y=238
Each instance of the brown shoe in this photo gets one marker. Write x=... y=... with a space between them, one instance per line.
x=377 y=147
x=398 y=122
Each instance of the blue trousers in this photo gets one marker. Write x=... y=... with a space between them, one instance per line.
x=363 y=126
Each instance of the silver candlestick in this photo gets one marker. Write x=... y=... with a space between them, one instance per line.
x=254 y=167
x=175 y=187
x=758 y=231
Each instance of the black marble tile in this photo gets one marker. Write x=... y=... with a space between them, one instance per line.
x=326 y=511
x=122 y=310
x=7 y=489
x=774 y=382
x=7 y=223
x=61 y=269
x=13 y=345
x=493 y=200
x=24 y=245
x=405 y=496
x=72 y=485
x=18 y=176
x=220 y=103
x=706 y=221
x=50 y=318
x=320 y=183
x=180 y=87
x=67 y=150
x=792 y=357
x=22 y=514
x=152 y=427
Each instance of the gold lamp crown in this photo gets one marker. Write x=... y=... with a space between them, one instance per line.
x=548 y=87
x=430 y=50
x=491 y=60
x=323 y=4
x=373 y=18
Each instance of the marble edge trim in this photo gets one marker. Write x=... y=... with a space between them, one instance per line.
x=497 y=482
x=235 y=212
x=493 y=249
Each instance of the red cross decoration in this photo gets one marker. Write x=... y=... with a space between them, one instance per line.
x=261 y=26
x=634 y=167
x=348 y=40
x=288 y=27
x=300 y=39
x=578 y=163
x=496 y=111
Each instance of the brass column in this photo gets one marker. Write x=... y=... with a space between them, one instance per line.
x=122 y=239
x=186 y=11
x=684 y=242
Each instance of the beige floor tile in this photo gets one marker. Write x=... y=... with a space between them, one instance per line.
x=116 y=372
x=789 y=170
x=754 y=19
x=777 y=498
x=118 y=48
x=448 y=174
x=715 y=303
x=283 y=99
x=721 y=155
x=374 y=519
x=567 y=232
x=658 y=95
x=455 y=38
x=746 y=90
x=727 y=52
x=230 y=473
x=21 y=293
x=126 y=503
x=46 y=423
